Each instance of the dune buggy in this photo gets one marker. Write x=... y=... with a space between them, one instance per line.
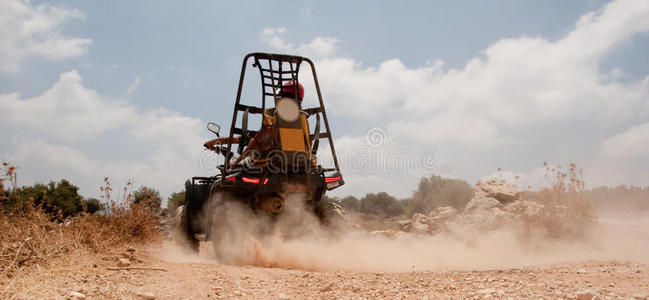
x=271 y=163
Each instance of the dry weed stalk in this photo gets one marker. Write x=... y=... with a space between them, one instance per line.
x=31 y=236
x=565 y=212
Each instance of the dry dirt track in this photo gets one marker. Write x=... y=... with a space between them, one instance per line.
x=202 y=278
x=615 y=264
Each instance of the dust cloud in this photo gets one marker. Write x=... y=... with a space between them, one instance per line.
x=297 y=240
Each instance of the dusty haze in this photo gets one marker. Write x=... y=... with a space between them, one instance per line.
x=621 y=235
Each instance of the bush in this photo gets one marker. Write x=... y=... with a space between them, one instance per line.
x=566 y=212
x=381 y=204
x=351 y=203
x=175 y=200
x=620 y=198
x=58 y=199
x=149 y=197
x=91 y=205
x=30 y=235
x=436 y=192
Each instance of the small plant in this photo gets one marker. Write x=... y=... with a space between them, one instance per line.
x=566 y=212
x=31 y=235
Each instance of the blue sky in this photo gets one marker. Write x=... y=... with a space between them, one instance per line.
x=482 y=85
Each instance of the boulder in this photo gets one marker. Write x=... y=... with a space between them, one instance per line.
x=404 y=225
x=419 y=223
x=498 y=189
x=443 y=214
x=527 y=209
x=481 y=204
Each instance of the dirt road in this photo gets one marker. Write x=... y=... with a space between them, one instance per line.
x=200 y=277
x=613 y=263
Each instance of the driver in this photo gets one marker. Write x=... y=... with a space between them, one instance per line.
x=262 y=143
x=287 y=90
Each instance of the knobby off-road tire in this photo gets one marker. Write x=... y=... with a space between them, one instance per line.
x=237 y=229
x=331 y=214
x=187 y=237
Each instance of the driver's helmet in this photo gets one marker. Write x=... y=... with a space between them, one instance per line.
x=288 y=90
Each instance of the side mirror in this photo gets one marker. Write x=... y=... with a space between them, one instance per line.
x=213 y=127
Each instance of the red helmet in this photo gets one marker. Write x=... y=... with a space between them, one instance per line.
x=288 y=89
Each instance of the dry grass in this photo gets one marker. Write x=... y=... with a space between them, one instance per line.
x=565 y=212
x=31 y=236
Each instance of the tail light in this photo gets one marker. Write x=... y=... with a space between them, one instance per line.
x=250 y=180
x=334 y=181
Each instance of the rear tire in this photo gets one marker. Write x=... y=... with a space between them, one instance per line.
x=235 y=229
x=331 y=214
x=186 y=234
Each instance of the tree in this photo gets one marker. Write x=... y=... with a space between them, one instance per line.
x=175 y=200
x=91 y=205
x=436 y=191
x=54 y=197
x=150 y=197
x=381 y=204
x=351 y=203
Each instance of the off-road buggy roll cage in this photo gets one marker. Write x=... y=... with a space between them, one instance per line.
x=262 y=188
x=275 y=70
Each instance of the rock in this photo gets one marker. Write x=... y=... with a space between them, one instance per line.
x=582 y=271
x=443 y=214
x=282 y=296
x=404 y=224
x=528 y=209
x=179 y=211
x=498 y=189
x=146 y=295
x=639 y=296
x=76 y=295
x=327 y=288
x=481 y=204
x=587 y=294
x=123 y=262
x=419 y=223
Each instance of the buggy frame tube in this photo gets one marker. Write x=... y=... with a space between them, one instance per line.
x=297 y=60
x=324 y=113
x=234 y=117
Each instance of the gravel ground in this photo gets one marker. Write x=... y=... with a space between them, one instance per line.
x=192 y=277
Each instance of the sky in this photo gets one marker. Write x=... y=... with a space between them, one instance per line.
x=124 y=89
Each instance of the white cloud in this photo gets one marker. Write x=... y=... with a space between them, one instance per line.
x=134 y=85
x=35 y=30
x=529 y=97
x=623 y=158
x=320 y=47
x=63 y=133
x=67 y=111
x=630 y=144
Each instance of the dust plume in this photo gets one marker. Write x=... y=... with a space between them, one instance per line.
x=499 y=228
x=297 y=240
